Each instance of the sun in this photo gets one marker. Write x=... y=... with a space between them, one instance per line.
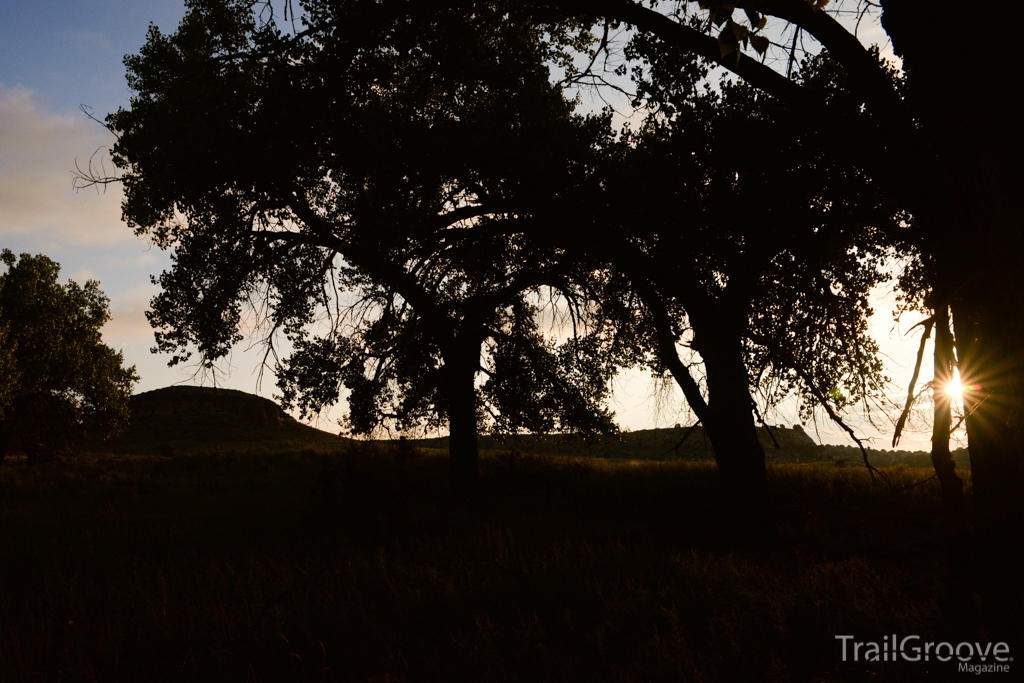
x=955 y=390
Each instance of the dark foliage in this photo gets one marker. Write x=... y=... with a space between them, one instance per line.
x=61 y=383
x=337 y=189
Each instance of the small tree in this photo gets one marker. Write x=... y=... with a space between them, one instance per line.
x=61 y=382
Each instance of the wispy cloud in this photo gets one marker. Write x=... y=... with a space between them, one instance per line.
x=38 y=152
x=92 y=40
x=128 y=324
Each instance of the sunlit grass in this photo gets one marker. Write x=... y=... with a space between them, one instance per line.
x=322 y=566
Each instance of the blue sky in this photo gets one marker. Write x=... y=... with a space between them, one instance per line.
x=69 y=51
x=56 y=56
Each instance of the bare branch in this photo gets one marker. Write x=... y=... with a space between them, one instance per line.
x=686 y=436
x=91 y=176
x=768 y=429
x=913 y=381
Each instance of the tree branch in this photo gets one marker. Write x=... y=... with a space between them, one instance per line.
x=667 y=353
x=823 y=400
x=686 y=436
x=913 y=382
x=692 y=40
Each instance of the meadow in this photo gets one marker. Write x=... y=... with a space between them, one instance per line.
x=352 y=565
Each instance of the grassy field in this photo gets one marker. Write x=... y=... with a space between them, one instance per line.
x=353 y=566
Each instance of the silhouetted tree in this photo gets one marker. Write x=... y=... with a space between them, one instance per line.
x=748 y=242
x=353 y=168
x=61 y=382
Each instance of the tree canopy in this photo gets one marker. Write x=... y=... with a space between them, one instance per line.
x=62 y=383
x=747 y=249
x=744 y=212
x=376 y=186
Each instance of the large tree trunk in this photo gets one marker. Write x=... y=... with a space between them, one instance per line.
x=463 y=448
x=989 y=361
x=971 y=207
x=727 y=414
x=732 y=431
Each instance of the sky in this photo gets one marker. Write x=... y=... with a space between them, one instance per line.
x=58 y=56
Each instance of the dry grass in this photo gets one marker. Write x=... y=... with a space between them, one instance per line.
x=324 y=566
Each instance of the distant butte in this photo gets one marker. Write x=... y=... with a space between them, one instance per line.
x=180 y=419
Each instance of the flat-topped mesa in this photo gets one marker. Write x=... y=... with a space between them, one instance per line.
x=204 y=402
x=184 y=419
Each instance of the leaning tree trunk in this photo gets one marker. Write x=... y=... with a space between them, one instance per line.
x=727 y=414
x=730 y=427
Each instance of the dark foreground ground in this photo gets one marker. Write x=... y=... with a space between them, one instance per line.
x=314 y=566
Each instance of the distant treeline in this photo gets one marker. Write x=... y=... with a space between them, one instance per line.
x=790 y=444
